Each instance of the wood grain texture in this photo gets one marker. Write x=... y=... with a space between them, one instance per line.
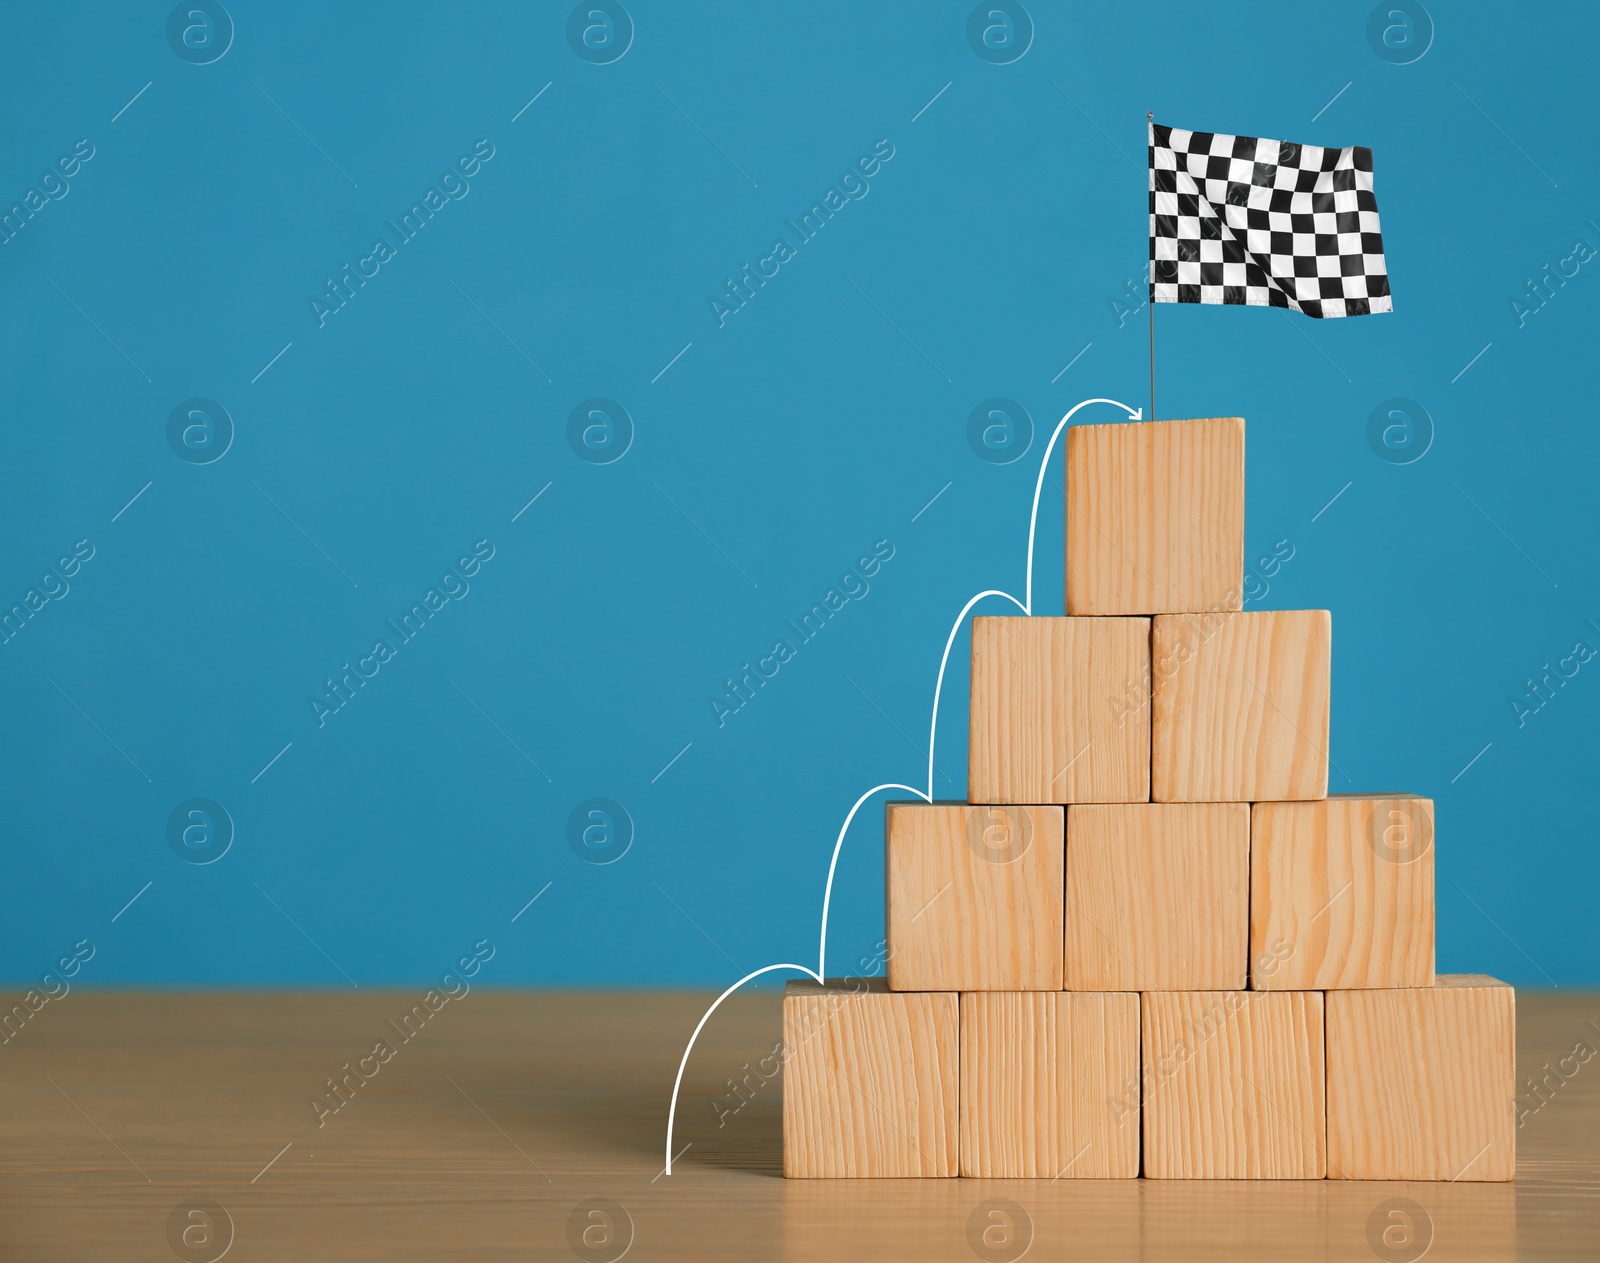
x=201 y=1089
x=870 y=1084
x=1341 y=893
x=1050 y=721
x=973 y=897
x=1157 y=897
x=1049 y=1085
x=1422 y=1082
x=1241 y=706
x=1155 y=516
x=1234 y=1085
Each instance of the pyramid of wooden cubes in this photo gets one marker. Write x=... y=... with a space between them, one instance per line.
x=1150 y=942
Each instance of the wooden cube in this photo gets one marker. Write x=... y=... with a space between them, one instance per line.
x=974 y=897
x=1241 y=706
x=1155 y=517
x=1158 y=897
x=1041 y=1077
x=1051 y=718
x=1422 y=1082
x=1233 y=1085
x=1341 y=893
x=869 y=1085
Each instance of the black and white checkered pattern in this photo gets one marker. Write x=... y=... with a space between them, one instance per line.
x=1264 y=223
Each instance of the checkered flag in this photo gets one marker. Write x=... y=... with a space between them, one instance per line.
x=1264 y=223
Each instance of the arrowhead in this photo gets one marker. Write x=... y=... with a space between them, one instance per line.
x=1136 y=415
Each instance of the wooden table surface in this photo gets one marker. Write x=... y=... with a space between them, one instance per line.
x=486 y=1133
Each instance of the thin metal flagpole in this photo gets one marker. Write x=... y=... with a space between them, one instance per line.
x=1150 y=301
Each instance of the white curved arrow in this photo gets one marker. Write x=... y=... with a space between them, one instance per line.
x=1026 y=606
x=1134 y=414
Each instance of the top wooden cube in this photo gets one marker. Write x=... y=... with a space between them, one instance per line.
x=1155 y=517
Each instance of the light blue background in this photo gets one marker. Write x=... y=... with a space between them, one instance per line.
x=823 y=417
